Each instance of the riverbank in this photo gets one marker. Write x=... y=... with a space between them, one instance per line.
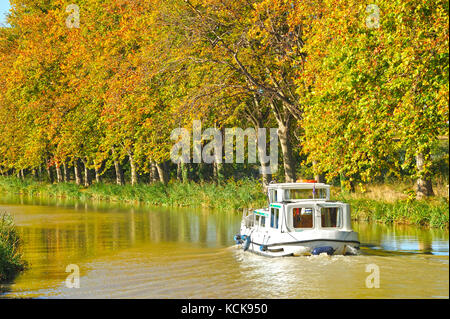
x=234 y=195
x=396 y=203
x=11 y=262
x=231 y=195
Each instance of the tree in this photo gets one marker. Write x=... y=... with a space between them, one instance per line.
x=369 y=87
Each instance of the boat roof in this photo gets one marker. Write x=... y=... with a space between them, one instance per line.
x=309 y=185
x=307 y=202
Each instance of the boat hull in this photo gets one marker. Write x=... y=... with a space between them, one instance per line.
x=304 y=249
x=299 y=244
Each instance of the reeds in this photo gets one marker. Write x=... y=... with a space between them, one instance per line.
x=396 y=203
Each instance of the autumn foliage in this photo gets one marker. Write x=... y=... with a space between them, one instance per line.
x=356 y=89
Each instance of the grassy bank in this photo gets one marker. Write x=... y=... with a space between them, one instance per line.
x=231 y=195
x=11 y=262
x=432 y=214
x=382 y=203
x=396 y=203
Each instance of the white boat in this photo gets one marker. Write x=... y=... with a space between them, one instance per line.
x=300 y=220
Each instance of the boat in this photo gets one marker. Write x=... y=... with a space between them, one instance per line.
x=300 y=220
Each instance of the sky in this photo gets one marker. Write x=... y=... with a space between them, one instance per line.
x=4 y=7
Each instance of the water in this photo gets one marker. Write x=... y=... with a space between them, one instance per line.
x=126 y=251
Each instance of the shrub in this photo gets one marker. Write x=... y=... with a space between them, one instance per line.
x=11 y=261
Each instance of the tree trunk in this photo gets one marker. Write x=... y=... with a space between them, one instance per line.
x=218 y=172
x=286 y=148
x=97 y=173
x=317 y=177
x=153 y=172
x=202 y=171
x=184 y=172
x=86 y=176
x=162 y=171
x=49 y=174
x=266 y=177
x=66 y=177
x=424 y=186
x=284 y=119
x=58 y=173
x=76 y=171
x=257 y=117
x=119 y=173
x=133 y=170
x=347 y=183
x=265 y=167
x=215 y=173
x=179 y=177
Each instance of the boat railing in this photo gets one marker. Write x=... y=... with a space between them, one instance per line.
x=249 y=217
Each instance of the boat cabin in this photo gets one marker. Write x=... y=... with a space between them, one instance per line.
x=297 y=207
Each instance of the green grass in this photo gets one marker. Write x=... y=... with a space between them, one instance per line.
x=240 y=194
x=11 y=262
x=231 y=195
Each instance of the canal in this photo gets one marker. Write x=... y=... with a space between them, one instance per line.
x=133 y=251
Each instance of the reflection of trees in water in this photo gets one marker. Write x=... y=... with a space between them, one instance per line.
x=203 y=228
x=369 y=233
x=397 y=236
x=91 y=232
x=94 y=233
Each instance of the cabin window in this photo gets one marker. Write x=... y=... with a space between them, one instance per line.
x=302 y=217
x=273 y=196
x=331 y=217
x=274 y=217
x=260 y=221
x=308 y=193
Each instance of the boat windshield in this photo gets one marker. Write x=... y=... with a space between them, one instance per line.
x=307 y=193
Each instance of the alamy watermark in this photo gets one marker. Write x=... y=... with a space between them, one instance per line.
x=373 y=19
x=220 y=142
x=73 y=279
x=373 y=280
x=73 y=20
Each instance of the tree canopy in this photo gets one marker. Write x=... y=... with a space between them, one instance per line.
x=357 y=90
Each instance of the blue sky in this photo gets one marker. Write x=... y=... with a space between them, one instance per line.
x=4 y=7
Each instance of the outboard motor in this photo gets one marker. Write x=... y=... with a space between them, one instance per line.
x=237 y=239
